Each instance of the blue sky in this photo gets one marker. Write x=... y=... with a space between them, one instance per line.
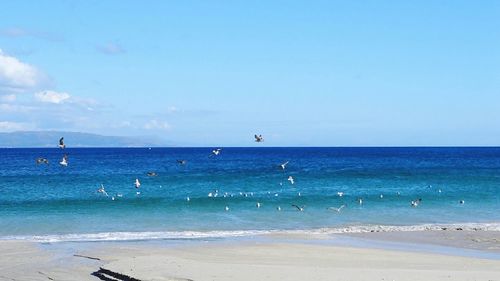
x=317 y=73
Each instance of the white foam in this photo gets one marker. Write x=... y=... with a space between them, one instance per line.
x=166 y=235
x=135 y=236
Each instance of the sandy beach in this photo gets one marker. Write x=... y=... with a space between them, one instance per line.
x=369 y=257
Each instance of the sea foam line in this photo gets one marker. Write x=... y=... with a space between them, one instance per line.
x=172 y=235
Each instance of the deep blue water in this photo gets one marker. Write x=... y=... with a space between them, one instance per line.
x=56 y=200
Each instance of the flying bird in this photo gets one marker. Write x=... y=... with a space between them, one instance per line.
x=181 y=162
x=299 y=208
x=337 y=209
x=103 y=191
x=291 y=180
x=259 y=138
x=137 y=183
x=152 y=174
x=61 y=143
x=64 y=161
x=41 y=160
x=216 y=151
x=283 y=166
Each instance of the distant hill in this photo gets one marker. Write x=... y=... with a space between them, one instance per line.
x=73 y=139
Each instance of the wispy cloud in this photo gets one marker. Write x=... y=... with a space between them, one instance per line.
x=52 y=97
x=172 y=109
x=18 y=32
x=8 y=98
x=17 y=76
x=111 y=49
x=156 y=124
x=8 y=126
x=15 y=108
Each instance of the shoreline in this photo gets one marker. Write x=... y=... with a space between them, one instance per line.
x=193 y=234
x=267 y=257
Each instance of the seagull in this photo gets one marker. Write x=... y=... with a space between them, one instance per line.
x=210 y=194
x=461 y=202
x=227 y=208
x=337 y=209
x=259 y=138
x=181 y=162
x=61 y=143
x=42 y=161
x=283 y=166
x=340 y=194
x=278 y=208
x=381 y=196
x=298 y=207
x=291 y=180
x=152 y=174
x=216 y=151
x=137 y=183
x=360 y=201
x=64 y=161
x=103 y=191
x=414 y=203
x=258 y=204
x=188 y=199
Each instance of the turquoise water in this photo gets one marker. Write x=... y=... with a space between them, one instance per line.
x=54 y=202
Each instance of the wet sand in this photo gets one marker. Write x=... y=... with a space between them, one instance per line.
x=268 y=258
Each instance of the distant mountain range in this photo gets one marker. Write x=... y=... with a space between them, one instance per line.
x=74 y=139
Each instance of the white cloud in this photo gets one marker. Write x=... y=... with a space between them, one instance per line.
x=16 y=76
x=7 y=126
x=110 y=49
x=155 y=124
x=52 y=97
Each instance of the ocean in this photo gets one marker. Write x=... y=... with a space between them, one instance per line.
x=56 y=203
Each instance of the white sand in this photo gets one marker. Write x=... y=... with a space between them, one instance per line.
x=237 y=261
